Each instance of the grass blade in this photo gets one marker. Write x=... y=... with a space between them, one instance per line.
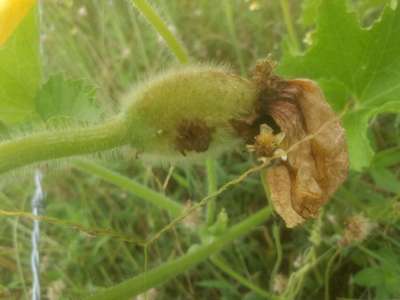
x=141 y=283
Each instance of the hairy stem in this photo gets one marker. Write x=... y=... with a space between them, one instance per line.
x=163 y=202
x=141 y=283
x=56 y=144
x=159 y=200
x=227 y=5
x=224 y=267
x=154 y=19
x=293 y=40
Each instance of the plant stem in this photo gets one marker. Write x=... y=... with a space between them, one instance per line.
x=141 y=283
x=212 y=187
x=278 y=260
x=293 y=41
x=174 y=208
x=155 y=198
x=56 y=144
x=232 y=32
x=220 y=263
x=159 y=25
x=328 y=272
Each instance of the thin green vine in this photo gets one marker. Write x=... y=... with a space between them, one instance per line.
x=159 y=200
x=212 y=187
x=287 y=17
x=278 y=260
x=328 y=272
x=232 y=32
x=154 y=19
x=141 y=283
x=223 y=266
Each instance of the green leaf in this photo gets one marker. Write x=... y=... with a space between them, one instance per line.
x=387 y=157
x=309 y=11
x=385 y=277
x=356 y=125
x=60 y=98
x=364 y=61
x=386 y=179
x=336 y=91
x=369 y=277
x=220 y=285
x=20 y=72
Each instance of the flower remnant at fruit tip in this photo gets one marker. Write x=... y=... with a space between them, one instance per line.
x=305 y=134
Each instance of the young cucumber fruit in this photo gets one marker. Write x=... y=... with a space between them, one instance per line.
x=181 y=114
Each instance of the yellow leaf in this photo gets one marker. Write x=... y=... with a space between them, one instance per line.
x=11 y=14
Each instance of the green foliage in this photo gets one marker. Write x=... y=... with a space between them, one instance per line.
x=108 y=43
x=363 y=61
x=309 y=11
x=386 y=179
x=387 y=158
x=20 y=72
x=60 y=98
x=384 y=277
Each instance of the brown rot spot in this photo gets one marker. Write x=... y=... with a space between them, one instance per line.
x=193 y=135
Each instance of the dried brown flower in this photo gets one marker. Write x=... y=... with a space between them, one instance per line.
x=279 y=283
x=357 y=229
x=266 y=142
x=317 y=158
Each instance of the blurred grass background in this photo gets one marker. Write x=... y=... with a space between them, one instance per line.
x=110 y=45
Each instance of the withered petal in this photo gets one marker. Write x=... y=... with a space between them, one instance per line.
x=280 y=185
x=329 y=145
x=315 y=167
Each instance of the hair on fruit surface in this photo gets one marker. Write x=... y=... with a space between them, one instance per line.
x=187 y=111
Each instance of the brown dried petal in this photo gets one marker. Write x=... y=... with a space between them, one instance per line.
x=280 y=187
x=316 y=166
x=329 y=144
